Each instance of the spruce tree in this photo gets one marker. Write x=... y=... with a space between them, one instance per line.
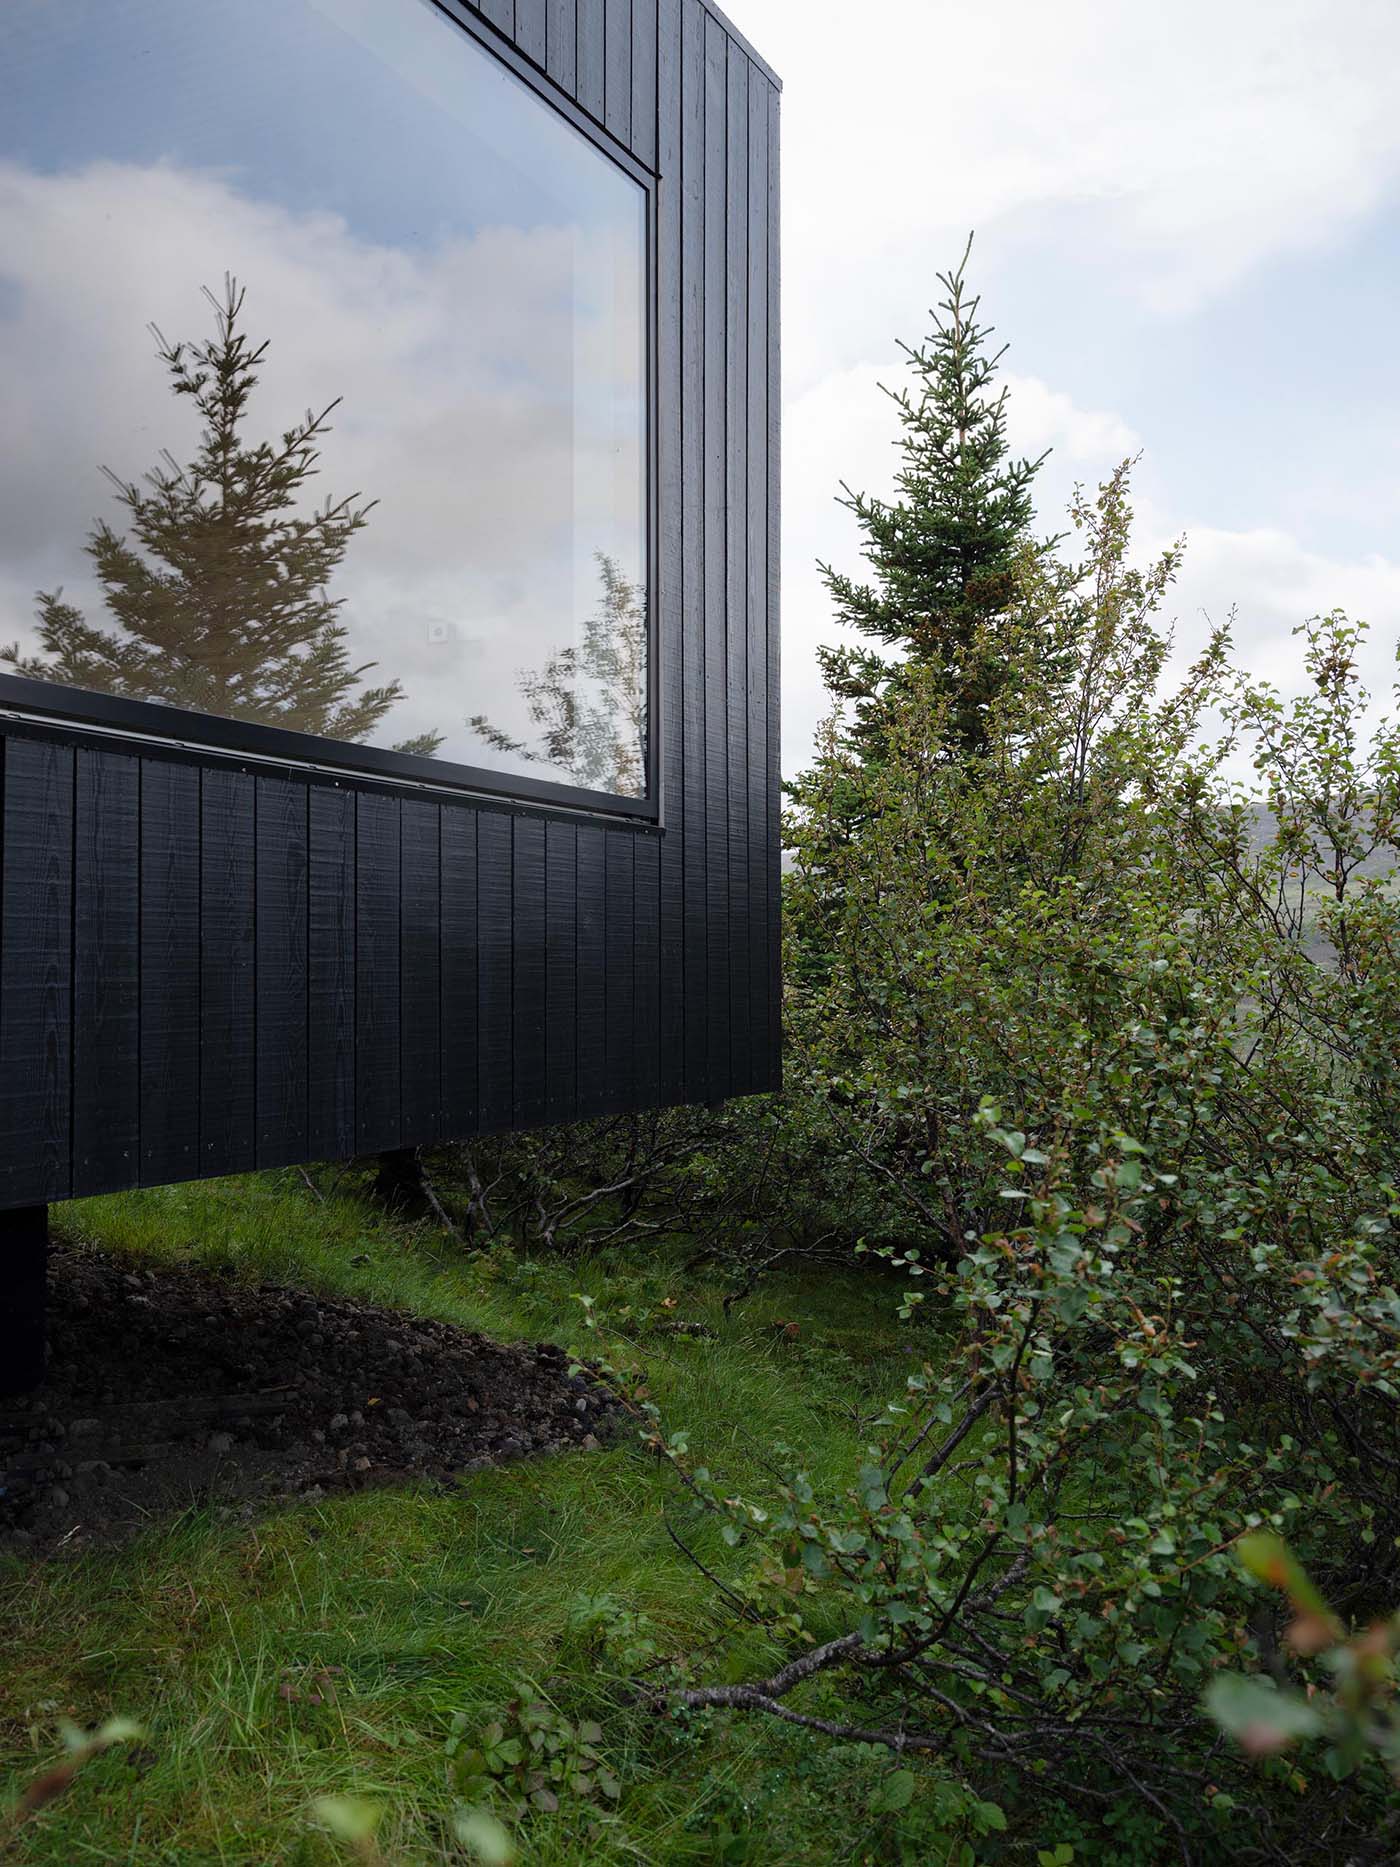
x=219 y=592
x=944 y=551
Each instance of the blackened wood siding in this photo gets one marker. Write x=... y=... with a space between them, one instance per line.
x=528 y=938
x=168 y=991
x=106 y=958
x=331 y=973
x=283 y=983
x=378 y=972
x=36 y=974
x=420 y=962
x=227 y=971
x=208 y=965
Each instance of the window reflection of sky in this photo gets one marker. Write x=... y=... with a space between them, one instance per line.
x=417 y=233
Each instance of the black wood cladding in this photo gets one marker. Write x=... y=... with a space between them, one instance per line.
x=227 y=971
x=106 y=960
x=169 y=985
x=282 y=987
x=206 y=968
x=331 y=974
x=36 y=974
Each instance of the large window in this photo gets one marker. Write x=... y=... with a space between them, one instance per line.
x=323 y=376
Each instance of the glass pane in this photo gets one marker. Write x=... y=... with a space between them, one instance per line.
x=322 y=382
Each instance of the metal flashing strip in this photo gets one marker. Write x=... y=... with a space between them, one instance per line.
x=137 y=742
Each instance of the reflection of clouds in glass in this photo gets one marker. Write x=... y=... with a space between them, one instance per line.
x=478 y=95
x=456 y=363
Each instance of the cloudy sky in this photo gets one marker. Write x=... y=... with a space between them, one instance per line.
x=1188 y=229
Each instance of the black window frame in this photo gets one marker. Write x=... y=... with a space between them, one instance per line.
x=114 y=716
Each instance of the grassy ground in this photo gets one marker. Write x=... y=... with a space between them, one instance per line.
x=401 y=1609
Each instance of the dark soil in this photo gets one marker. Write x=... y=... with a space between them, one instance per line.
x=171 y=1387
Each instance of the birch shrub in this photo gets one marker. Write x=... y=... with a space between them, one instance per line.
x=1107 y=1057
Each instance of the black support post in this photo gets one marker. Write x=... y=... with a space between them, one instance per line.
x=24 y=1263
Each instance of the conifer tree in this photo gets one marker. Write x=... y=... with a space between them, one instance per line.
x=943 y=552
x=219 y=592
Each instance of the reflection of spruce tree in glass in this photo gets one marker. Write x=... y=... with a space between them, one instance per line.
x=589 y=700
x=219 y=595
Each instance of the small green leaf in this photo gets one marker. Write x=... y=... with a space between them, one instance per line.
x=350 y=1818
x=1260 y=1717
x=896 y=1792
x=482 y=1835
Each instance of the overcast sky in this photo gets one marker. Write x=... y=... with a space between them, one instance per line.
x=1188 y=229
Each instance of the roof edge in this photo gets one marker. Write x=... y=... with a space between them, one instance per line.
x=745 y=45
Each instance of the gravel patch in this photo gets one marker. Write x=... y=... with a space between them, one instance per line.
x=171 y=1387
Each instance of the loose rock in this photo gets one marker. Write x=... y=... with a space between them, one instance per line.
x=201 y=1388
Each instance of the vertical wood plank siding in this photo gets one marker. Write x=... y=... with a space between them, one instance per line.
x=694 y=798
x=590 y=51
x=645 y=82
x=736 y=470
x=378 y=969
x=528 y=972
x=106 y=960
x=227 y=996
x=617 y=68
x=590 y=951
x=561 y=44
x=36 y=974
x=169 y=984
x=561 y=971
x=331 y=973
x=619 y=993
x=283 y=903
x=773 y=789
x=670 y=878
x=207 y=966
x=501 y=14
x=461 y=1100
x=420 y=959
x=713 y=415
x=494 y=1006
x=532 y=29
x=756 y=588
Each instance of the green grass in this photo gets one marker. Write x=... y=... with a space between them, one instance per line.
x=432 y=1603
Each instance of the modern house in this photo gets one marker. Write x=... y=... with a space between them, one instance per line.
x=389 y=735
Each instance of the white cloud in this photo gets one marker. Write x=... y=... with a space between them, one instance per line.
x=842 y=428
x=1087 y=440
x=1273 y=585
x=1187 y=142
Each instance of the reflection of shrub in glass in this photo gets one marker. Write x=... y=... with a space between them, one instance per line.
x=220 y=601
x=589 y=700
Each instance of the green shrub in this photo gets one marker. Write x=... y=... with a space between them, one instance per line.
x=1104 y=1052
